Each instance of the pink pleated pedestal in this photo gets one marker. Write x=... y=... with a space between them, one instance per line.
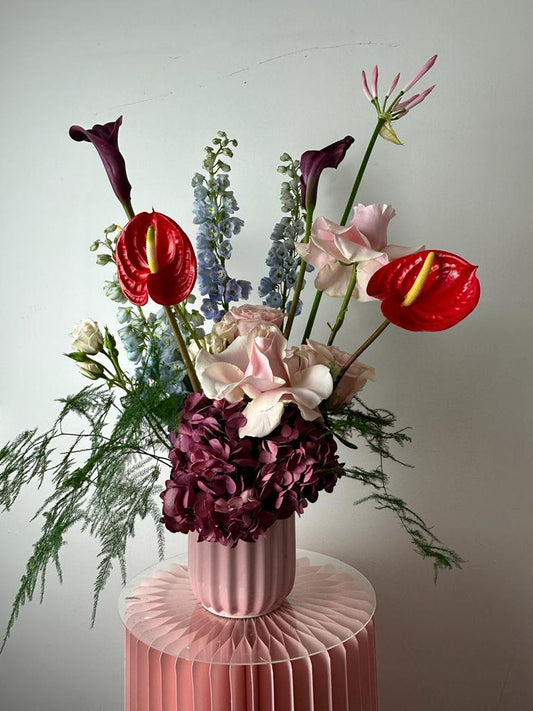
x=314 y=653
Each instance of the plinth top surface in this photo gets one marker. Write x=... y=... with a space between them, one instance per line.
x=330 y=603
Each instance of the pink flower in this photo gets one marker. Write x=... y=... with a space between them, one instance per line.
x=352 y=382
x=256 y=366
x=332 y=249
x=396 y=109
x=240 y=320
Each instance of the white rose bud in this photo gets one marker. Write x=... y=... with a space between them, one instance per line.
x=91 y=369
x=87 y=337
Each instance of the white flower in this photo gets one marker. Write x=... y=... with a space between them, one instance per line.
x=91 y=369
x=87 y=337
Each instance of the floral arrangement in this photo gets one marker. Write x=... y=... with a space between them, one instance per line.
x=245 y=422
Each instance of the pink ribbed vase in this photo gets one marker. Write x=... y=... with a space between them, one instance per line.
x=248 y=580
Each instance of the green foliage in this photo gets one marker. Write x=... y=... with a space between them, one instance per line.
x=104 y=478
x=106 y=474
x=377 y=428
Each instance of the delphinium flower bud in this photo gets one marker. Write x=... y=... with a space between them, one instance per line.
x=113 y=291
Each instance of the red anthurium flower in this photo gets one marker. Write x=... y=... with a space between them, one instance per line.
x=426 y=291
x=155 y=258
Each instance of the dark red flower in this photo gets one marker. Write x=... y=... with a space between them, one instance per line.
x=312 y=163
x=105 y=140
x=230 y=488
x=155 y=258
x=448 y=294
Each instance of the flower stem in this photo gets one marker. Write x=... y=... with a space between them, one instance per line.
x=119 y=376
x=344 y=306
x=183 y=350
x=344 y=219
x=301 y=274
x=128 y=209
x=362 y=168
x=379 y=330
x=182 y=313
x=312 y=315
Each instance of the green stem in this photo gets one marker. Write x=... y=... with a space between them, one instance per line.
x=182 y=313
x=312 y=315
x=379 y=330
x=344 y=306
x=183 y=350
x=300 y=281
x=362 y=168
x=120 y=376
x=346 y=214
x=128 y=209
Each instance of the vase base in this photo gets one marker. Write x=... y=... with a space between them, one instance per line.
x=239 y=616
x=247 y=580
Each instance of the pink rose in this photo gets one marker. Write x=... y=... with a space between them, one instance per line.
x=354 y=380
x=240 y=320
x=256 y=366
x=332 y=249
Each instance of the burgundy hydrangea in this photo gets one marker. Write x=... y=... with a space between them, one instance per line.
x=231 y=488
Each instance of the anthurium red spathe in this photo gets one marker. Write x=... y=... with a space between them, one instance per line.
x=155 y=259
x=449 y=292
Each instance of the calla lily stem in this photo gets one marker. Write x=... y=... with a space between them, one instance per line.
x=128 y=209
x=312 y=315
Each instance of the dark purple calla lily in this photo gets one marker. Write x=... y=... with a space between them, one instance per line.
x=312 y=163
x=105 y=140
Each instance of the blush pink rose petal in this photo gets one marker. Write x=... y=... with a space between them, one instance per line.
x=255 y=366
x=244 y=318
x=333 y=248
x=352 y=382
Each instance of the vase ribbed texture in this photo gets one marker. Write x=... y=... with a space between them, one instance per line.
x=248 y=580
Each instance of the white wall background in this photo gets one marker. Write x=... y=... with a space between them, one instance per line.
x=284 y=76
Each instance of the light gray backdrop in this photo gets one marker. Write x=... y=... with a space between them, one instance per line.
x=284 y=76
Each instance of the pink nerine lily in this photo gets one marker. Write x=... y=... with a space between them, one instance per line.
x=332 y=249
x=256 y=366
x=394 y=109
